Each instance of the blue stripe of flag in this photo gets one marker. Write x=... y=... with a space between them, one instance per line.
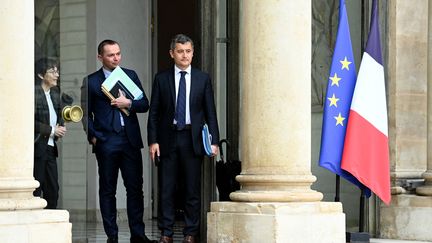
x=373 y=46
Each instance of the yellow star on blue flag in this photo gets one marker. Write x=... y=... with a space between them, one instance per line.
x=345 y=64
x=333 y=100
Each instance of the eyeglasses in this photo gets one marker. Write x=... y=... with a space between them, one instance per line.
x=53 y=71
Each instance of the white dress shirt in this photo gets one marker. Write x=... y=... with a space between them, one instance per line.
x=52 y=117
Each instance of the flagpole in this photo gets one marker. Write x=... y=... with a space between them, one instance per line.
x=362 y=47
x=361 y=236
x=362 y=211
x=363 y=26
x=337 y=198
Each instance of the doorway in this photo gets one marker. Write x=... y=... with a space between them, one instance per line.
x=171 y=18
x=197 y=20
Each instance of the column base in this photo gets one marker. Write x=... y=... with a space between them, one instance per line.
x=307 y=222
x=276 y=196
x=11 y=204
x=276 y=188
x=424 y=190
x=406 y=217
x=35 y=226
x=17 y=194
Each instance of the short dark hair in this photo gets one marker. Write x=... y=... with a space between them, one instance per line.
x=104 y=43
x=44 y=64
x=180 y=38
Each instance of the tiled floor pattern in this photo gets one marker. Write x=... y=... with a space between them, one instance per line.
x=94 y=233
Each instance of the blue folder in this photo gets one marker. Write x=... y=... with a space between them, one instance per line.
x=207 y=138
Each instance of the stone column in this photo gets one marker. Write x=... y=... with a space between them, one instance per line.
x=16 y=130
x=407 y=90
x=275 y=130
x=426 y=190
x=407 y=85
x=22 y=219
x=275 y=203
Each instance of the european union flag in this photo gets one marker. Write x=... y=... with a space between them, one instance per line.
x=337 y=104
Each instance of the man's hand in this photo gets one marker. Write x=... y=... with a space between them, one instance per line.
x=154 y=151
x=121 y=101
x=215 y=150
x=93 y=140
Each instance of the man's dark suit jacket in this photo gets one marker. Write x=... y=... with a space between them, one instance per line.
x=42 y=119
x=162 y=111
x=99 y=113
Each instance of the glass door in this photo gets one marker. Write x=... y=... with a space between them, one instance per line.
x=60 y=37
x=68 y=31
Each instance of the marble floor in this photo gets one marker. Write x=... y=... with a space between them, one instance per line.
x=94 y=233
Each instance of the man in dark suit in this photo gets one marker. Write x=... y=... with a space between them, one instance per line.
x=117 y=143
x=48 y=128
x=181 y=102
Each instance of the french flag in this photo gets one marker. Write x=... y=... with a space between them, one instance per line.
x=366 y=153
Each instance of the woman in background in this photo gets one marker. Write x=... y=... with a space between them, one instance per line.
x=47 y=130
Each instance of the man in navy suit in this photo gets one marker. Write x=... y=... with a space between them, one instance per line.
x=117 y=143
x=181 y=102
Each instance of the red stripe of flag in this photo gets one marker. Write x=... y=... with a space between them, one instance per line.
x=368 y=155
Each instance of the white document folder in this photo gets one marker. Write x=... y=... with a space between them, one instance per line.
x=119 y=79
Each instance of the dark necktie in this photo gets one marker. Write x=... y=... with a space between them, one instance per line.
x=181 y=102
x=116 y=121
